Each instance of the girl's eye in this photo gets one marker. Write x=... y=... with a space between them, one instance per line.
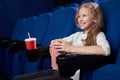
x=84 y=15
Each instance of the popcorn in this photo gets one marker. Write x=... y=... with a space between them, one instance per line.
x=55 y=41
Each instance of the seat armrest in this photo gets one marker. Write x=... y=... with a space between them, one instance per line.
x=34 y=54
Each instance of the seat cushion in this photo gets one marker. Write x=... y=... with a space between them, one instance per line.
x=109 y=72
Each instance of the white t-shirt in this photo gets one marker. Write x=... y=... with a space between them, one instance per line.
x=76 y=40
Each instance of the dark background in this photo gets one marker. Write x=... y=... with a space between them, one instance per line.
x=12 y=10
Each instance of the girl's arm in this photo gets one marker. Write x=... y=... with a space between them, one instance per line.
x=87 y=50
x=83 y=50
x=102 y=47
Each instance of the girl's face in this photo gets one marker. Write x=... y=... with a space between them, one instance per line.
x=85 y=18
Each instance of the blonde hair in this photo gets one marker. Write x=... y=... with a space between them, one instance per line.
x=98 y=23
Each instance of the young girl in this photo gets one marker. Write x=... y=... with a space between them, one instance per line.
x=91 y=41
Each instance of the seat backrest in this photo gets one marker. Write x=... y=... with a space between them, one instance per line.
x=62 y=23
x=28 y=26
x=40 y=26
x=18 y=29
x=112 y=29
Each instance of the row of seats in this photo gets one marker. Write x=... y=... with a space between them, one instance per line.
x=45 y=27
x=57 y=24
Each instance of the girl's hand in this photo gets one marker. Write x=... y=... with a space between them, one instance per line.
x=61 y=45
x=52 y=43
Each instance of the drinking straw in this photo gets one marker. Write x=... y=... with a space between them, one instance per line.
x=29 y=35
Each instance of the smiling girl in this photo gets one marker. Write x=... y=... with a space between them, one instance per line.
x=90 y=44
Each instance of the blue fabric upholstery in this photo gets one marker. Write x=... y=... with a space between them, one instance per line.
x=39 y=30
x=37 y=27
x=118 y=59
x=112 y=23
x=108 y=72
x=18 y=58
x=18 y=29
x=28 y=26
x=40 y=26
x=17 y=63
x=6 y=56
x=61 y=24
x=112 y=11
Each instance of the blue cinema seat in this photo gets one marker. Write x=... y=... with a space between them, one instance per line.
x=36 y=26
x=18 y=57
x=112 y=11
x=6 y=56
x=12 y=61
x=39 y=30
x=109 y=71
x=17 y=63
x=62 y=23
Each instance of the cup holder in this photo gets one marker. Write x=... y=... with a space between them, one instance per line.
x=32 y=55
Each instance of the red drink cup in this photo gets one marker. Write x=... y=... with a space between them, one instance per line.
x=30 y=43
